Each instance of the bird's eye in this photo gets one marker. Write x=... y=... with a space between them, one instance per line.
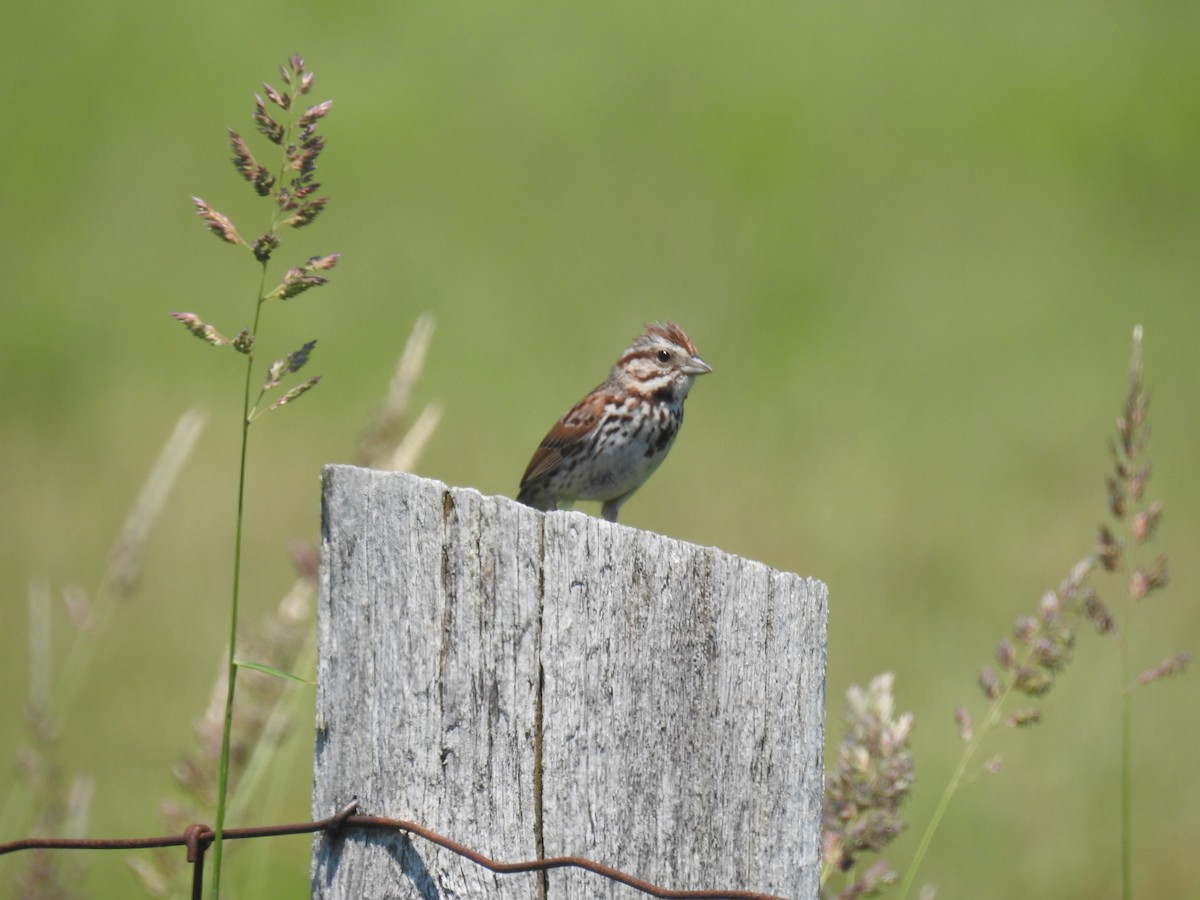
x=663 y=356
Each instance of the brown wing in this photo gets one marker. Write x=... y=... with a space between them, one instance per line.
x=568 y=432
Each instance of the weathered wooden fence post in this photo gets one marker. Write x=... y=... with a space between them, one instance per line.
x=554 y=685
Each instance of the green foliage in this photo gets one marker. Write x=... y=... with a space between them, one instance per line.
x=271 y=670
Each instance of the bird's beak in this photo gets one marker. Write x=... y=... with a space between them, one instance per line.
x=696 y=366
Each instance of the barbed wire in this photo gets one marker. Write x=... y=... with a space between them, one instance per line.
x=197 y=838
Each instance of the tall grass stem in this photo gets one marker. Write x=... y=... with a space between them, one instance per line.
x=1126 y=767
x=952 y=787
x=231 y=664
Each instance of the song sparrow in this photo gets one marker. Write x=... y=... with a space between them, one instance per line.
x=611 y=441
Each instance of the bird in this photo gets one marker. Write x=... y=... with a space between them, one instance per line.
x=612 y=440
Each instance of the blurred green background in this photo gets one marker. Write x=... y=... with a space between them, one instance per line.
x=912 y=240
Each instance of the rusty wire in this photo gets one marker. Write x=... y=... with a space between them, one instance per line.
x=197 y=838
